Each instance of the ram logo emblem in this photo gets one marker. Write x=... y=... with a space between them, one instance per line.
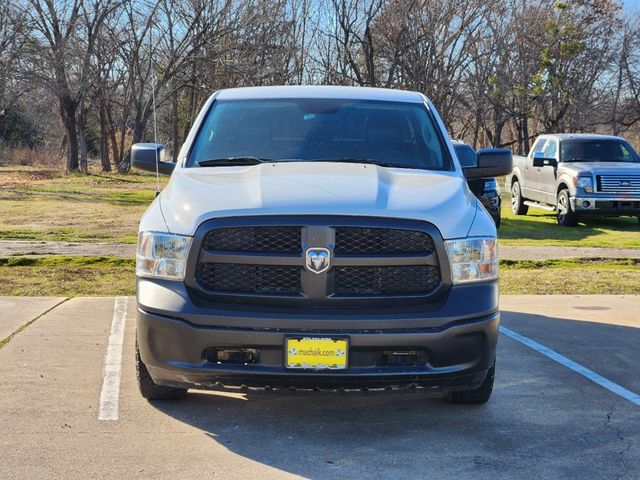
x=318 y=259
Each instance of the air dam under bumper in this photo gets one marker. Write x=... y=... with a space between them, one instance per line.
x=458 y=339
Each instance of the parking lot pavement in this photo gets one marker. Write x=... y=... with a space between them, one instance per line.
x=544 y=420
x=17 y=311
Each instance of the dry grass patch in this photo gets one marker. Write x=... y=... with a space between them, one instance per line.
x=570 y=277
x=67 y=276
x=47 y=205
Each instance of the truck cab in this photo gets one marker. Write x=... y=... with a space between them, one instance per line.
x=577 y=174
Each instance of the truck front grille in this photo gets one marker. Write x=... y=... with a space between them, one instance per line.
x=413 y=280
x=254 y=239
x=367 y=261
x=359 y=240
x=260 y=279
x=618 y=184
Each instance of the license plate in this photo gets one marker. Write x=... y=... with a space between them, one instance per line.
x=316 y=353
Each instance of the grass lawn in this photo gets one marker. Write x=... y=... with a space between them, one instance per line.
x=539 y=227
x=570 y=277
x=91 y=276
x=67 y=276
x=38 y=204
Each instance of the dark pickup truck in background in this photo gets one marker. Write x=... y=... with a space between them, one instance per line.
x=486 y=189
x=577 y=174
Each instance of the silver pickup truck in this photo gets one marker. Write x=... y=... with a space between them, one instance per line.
x=577 y=174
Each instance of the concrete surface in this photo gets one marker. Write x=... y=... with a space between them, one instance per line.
x=82 y=249
x=544 y=421
x=16 y=311
x=544 y=252
x=526 y=252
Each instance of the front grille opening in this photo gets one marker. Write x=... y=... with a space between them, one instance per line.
x=618 y=184
x=256 y=279
x=388 y=280
x=403 y=358
x=364 y=240
x=285 y=239
x=238 y=356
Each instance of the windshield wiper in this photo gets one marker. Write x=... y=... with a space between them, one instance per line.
x=232 y=161
x=371 y=161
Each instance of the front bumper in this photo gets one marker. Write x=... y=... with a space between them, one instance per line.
x=606 y=205
x=458 y=338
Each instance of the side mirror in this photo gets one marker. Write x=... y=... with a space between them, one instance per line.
x=143 y=156
x=539 y=160
x=492 y=162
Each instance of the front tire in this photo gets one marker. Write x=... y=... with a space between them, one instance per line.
x=564 y=213
x=517 y=202
x=479 y=395
x=151 y=390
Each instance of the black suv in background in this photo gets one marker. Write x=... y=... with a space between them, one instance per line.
x=486 y=189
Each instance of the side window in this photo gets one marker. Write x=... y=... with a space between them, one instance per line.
x=550 y=149
x=626 y=154
x=539 y=145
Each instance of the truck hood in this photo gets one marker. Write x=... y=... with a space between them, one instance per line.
x=588 y=167
x=194 y=195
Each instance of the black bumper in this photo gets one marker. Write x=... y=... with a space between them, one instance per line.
x=614 y=207
x=458 y=337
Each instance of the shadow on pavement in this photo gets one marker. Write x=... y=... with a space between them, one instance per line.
x=543 y=419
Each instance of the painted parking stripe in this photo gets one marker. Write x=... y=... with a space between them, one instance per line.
x=110 y=394
x=576 y=367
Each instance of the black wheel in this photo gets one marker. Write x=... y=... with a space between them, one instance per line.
x=477 y=396
x=149 y=389
x=517 y=202
x=564 y=213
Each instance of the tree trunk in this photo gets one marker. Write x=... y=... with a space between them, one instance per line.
x=104 y=139
x=82 y=139
x=174 y=126
x=525 y=133
x=192 y=101
x=142 y=117
x=68 y=115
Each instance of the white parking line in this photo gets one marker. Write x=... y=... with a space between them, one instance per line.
x=576 y=367
x=110 y=394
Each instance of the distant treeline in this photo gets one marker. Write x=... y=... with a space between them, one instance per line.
x=81 y=74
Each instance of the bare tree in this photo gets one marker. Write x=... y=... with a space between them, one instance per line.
x=61 y=49
x=11 y=24
x=499 y=71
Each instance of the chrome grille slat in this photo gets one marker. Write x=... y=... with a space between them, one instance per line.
x=624 y=184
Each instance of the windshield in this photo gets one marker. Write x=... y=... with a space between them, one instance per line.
x=389 y=133
x=597 y=151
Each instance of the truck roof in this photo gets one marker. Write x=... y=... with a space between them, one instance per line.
x=321 y=91
x=580 y=136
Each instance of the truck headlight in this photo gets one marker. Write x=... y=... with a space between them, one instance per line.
x=473 y=259
x=162 y=255
x=585 y=183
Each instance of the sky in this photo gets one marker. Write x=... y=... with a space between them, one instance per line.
x=632 y=3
